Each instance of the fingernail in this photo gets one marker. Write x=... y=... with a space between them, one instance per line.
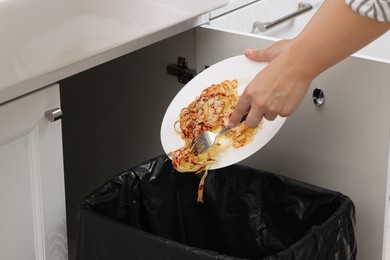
x=248 y=52
x=231 y=125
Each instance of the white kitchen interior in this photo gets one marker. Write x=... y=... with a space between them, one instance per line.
x=84 y=87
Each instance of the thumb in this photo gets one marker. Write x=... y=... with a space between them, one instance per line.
x=257 y=54
x=269 y=53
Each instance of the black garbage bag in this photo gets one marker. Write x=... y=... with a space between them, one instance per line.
x=151 y=212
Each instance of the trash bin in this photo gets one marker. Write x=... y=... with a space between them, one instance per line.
x=151 y=212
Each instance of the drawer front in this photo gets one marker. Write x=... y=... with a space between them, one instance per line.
x=341 y=145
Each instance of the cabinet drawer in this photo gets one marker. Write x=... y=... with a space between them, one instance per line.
x=342 y=145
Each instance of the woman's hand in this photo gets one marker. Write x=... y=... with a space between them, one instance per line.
x=277 y=90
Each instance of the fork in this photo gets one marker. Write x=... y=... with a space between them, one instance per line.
x=206 y=139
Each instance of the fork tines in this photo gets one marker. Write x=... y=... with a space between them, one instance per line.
x=198 y=145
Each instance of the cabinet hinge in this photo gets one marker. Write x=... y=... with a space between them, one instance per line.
x=181 y=70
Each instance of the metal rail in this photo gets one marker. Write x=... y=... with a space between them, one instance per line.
x=264 y=26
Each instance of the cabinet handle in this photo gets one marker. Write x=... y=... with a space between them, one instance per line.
x=264 y=26
x=53 y=114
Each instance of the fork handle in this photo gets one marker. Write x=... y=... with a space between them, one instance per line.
x=227 y=129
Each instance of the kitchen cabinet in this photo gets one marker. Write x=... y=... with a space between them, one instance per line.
x=32 y=193
x=106 y=88
x=342 y=144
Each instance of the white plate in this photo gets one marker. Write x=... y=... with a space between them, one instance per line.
x=239 y=68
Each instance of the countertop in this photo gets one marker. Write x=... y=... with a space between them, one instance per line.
x=44 y=41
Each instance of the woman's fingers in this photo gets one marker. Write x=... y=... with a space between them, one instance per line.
x=275 y=91
x=242 y=108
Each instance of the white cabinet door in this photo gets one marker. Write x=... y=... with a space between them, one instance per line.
x=32 y=195
x=341 y=145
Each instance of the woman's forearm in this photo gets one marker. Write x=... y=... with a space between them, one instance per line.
x=333 y=34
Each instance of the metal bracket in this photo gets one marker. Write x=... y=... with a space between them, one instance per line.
x=181 y=70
